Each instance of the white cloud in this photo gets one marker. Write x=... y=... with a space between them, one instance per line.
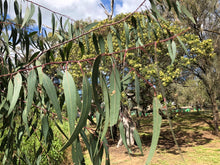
x=76 y=9
x=129 y=6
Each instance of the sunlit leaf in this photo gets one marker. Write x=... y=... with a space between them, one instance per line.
x=70 y=99
x=10 y=91
x=88 y=27
x=174 y=51
x=16 y=93
x=109 y=41
x=188 y=14
x=26 y=17
x=115 y=96
x=156 y=129
x=87 y=97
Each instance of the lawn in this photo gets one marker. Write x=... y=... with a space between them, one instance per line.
x=194 y=136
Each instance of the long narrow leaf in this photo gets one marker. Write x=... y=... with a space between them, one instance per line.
x=138 y=140
x=107 y=106
x=10 y=91
x=122 y=133
x=109 y=40
x=174 y=52
x=156 y=129
x=84 y=113
x=101 y=44
x=51 y=92
x=26 y=17
x=182 y=44
x=115 y=96
x=95 y=76
x=70 y=99
x=53 y=23
x=126 y=34
x=39 y=19
x=137 y=90
x=16 y=93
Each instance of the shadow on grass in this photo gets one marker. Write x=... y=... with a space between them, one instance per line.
x=189 y=130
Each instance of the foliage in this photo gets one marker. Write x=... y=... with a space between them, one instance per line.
x=30 y=95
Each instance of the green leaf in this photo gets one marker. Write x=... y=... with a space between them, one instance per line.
x=188 y=14
x=174 y=51
x=101 y=44
x=2 y=105
x=137 y=90
x=32 y=11
x=5 y=10
x=82 y=48
x=39 y=19
x=107 y=106
x=126 y=34
x=17 y=88
x=105 y=144
x=26 y=17
x=40 y=73
x=16 y=8
x=138 y=140
x=115 y=96
x=45 y=126
x=156 y=129
x=95 y=76
x=60 y=129
x=95 y=42
x=1 y=7
x=31 y=86
x=87 y=97
x=182 y=44
x=88 y=27
x=118 y=40
x=31 y=83
x=169 y=4
x=122 y=133
x=10 y=91
x=109 y=41
x=51 y=92
x=70 y=99
x=170 y=49
x=53 y=23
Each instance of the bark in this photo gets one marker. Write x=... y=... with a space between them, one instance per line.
x=129 y=126
x=215 y=115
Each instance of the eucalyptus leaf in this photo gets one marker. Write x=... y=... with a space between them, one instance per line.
x=51 y=92
x=16 y=93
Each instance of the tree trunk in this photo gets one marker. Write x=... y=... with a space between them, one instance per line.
x=129 y=126
x=215 y=115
